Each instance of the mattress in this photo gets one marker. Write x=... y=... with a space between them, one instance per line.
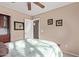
x=33 y=48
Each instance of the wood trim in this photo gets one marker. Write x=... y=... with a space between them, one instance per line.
x=70 y=53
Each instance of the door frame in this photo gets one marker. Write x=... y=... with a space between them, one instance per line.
x=39 y=25
x=32 y=26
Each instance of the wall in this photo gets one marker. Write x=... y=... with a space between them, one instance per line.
x=15 y=16
x=68 y=34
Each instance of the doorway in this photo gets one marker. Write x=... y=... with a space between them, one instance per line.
x=32 y=29
x=36 y=29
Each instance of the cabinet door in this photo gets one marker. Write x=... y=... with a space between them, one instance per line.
x=1 y=21
x=4 y=28
x=4 y=38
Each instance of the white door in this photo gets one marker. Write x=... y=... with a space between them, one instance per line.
x=28 y=29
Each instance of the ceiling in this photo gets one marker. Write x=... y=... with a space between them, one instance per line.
x=22 y=7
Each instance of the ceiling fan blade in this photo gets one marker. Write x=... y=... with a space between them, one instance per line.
x=39 y=4
x=29 y=5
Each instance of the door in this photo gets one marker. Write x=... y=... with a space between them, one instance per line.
x=28 y=29
x=36 y=29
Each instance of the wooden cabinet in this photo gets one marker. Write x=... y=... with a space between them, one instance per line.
x=4 y=28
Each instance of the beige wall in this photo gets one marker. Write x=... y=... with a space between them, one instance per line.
x=68 y=34
x=15 y=16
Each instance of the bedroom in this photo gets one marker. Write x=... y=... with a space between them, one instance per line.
x=66 y=35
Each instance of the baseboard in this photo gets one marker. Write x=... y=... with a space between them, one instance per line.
x=75 y=55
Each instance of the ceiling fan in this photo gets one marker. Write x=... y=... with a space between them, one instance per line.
x=36 y=3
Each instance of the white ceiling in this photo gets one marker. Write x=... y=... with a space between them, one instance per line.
x=22 y=7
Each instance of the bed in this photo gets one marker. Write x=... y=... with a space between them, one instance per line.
x=33 y=48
